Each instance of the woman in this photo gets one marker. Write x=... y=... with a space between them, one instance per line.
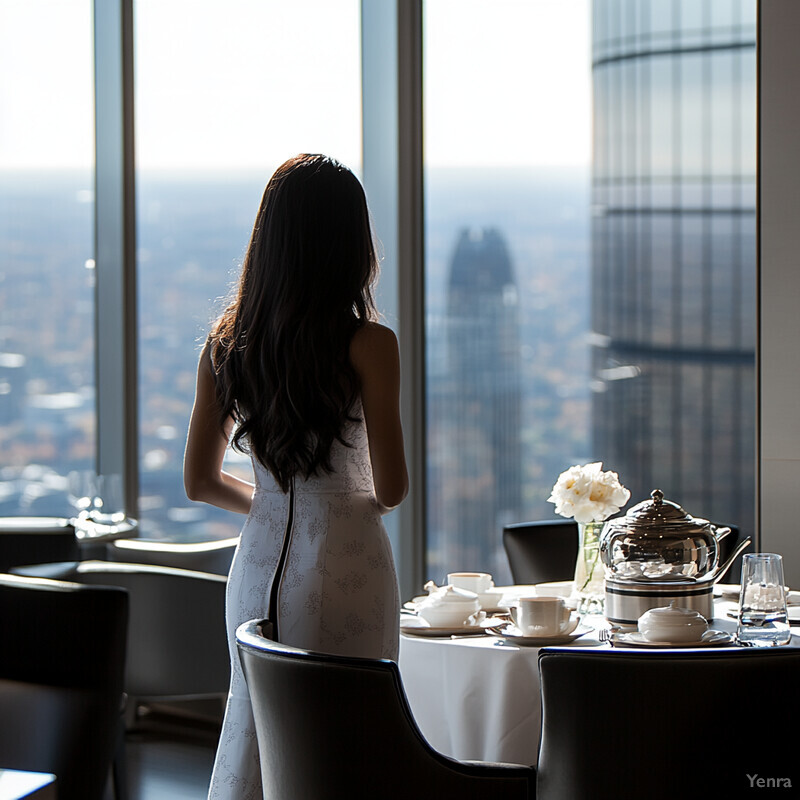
x=303 y=378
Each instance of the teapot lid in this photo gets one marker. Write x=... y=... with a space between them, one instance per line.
x=660 y=513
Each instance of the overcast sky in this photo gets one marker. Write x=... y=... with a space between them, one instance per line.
x=247 y=83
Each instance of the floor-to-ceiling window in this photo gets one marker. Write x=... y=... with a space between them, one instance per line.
x=589 y=229
x=590 y=259
x=219 y=104
x=674 y=255
x=507 y=156
x=47 y=399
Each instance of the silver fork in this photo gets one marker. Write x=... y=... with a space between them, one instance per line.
x=604 y=635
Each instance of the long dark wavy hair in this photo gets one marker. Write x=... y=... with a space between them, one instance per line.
x=280 y=350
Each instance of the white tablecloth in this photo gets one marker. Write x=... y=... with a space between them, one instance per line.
x=475 y=700
x=472 y=699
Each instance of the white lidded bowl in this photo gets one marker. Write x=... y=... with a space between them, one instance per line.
x=448 y=607
x=672 y=623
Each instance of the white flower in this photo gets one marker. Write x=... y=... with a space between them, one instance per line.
x=588 y=494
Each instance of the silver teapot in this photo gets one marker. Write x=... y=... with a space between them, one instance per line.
x=658 y=541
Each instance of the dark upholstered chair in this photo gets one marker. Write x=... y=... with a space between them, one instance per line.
x=213 y=557
x=177 y=645
x=331 y=727
x=35 y=540
x=62 y=659
x=541 y=551
x=546 y=550
x=630 y=724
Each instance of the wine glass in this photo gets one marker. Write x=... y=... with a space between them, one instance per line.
x=82 y=489
x=109 y=503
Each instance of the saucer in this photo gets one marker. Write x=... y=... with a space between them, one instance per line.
x=431 y=632
x=711 y=638
x=416 y=629
x=416 y=626
x=511 y=636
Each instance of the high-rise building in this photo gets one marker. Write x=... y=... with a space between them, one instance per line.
x=673 y=251
x=477 y=404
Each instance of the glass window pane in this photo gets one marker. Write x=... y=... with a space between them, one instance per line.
x=657 y=382
x=507 y=267
x=216 y=113
x=683 y=284
x=47 y=408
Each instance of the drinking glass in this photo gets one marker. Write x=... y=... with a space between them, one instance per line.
x=109 y=503
x=82 y=489
x=763 y=621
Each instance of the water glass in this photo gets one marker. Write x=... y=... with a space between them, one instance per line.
x=82 y=488
x=109 y=502
x=763 y=620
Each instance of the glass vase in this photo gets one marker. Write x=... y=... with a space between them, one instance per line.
x=589 y=582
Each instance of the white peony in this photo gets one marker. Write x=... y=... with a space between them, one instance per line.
x=588 y=494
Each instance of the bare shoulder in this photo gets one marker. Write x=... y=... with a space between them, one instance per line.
x=372 y=342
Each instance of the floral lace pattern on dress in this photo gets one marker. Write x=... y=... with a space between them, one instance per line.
x=338 y=592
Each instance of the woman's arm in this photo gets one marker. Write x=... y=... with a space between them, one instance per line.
x=203 y=476
x=376 y=360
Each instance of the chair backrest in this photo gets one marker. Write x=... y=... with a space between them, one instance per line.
x=214 y=556
x=633 y=724
x=541 y=551
x=36 y=540
x=177 y=645
x=333 y=727
x=177 y=642
x=62 y=660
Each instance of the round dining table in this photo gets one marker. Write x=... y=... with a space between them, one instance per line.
x=476 y=698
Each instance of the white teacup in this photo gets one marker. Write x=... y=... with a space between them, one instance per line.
x=478 y=582
x=543 y=616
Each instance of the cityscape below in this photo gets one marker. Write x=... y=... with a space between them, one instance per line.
x=503 y=419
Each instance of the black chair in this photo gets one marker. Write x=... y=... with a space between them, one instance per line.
x=213 y=557
x=541 y=551
x=62 y=661
x=546 y=550
x=628 y=724
x=330 y=727
x=177 y=644
x=36 y=540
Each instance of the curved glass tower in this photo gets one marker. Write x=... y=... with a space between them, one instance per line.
x=673 y=251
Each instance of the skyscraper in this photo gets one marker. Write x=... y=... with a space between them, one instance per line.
x=478 y=403
x=673 y=251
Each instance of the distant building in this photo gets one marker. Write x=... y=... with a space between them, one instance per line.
x=674 y=254
x=478 y=404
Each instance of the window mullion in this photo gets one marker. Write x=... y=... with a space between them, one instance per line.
x=115 y=247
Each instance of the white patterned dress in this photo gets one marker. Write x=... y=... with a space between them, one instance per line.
x=336 y=592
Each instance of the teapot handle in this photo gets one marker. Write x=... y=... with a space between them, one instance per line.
x=721 y=533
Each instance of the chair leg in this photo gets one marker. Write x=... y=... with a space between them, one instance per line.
x=119 y=771
x=119 y=767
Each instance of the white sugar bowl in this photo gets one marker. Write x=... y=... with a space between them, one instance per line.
x=672 y=624
x=448 y=607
